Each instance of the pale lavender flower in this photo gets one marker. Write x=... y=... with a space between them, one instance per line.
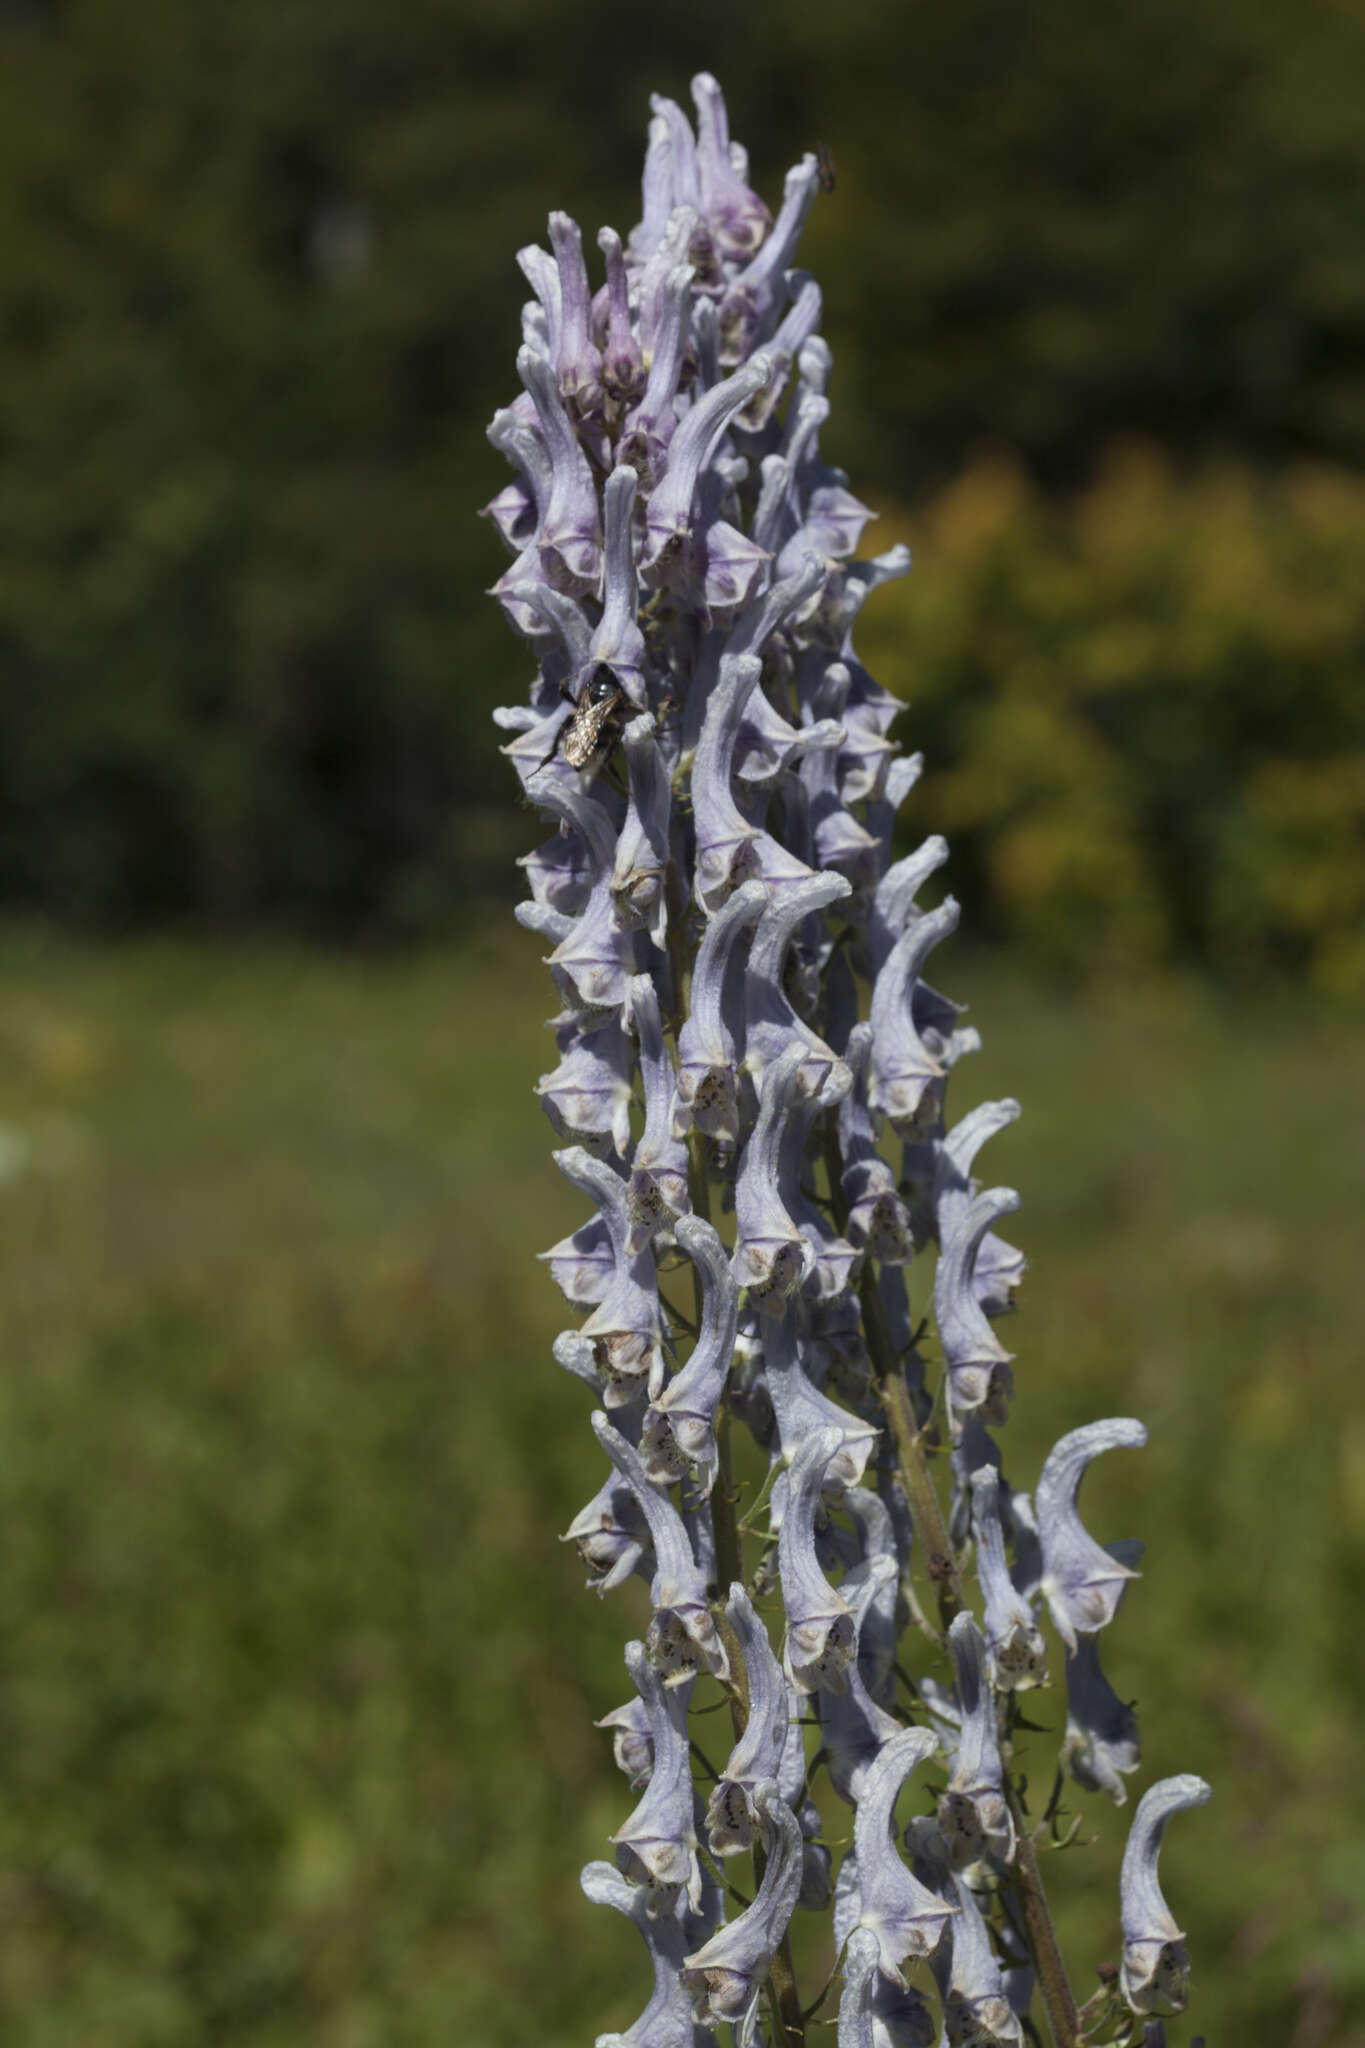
x=1156 y=1966
x=725 y=1977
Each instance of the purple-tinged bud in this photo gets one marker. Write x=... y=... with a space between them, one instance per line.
x=822 y=1639
x=737 y=217
x=907 y=1918
x=906 y=1081
x=973 y=1813
x=732 y=1817
x=682 y=1636
x=650 y=428
x=618 y=641
x=679 y=1426
x=1101 y=1739
x=726 y=1976
x=771 y=1257
x=656 y=1192
x=1014 y=1644
x=577 y=358
x=749 y=297
x=707 y=1082
x=623 y=373
x=978 y=1365
x=795 y=329
x=1082 y=1582
x=624 y=1329
x=771 y=1024
x=1156 y=1965
x=570 y=543
x=657 y=1847
x=998 y=1267
x=666 y=2021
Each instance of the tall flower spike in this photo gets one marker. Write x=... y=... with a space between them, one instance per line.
x=657 y=1847
x=679 y=1433
x=907 y=1918
x=725 y=1977
x=732 y=1815
x=973 y=1813
x=1017 y=1652
x=1155 y=1971
x=666 y=2021
x=1082 y=1582
x=821 y=1640
x=682 y=1636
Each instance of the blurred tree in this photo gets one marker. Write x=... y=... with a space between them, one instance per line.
x=260 y=300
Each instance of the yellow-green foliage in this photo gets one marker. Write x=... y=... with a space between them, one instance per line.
x=1144 y=710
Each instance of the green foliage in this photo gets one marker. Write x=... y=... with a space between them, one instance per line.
x=261 y=299
x=297 y=1686
x=1144 y=712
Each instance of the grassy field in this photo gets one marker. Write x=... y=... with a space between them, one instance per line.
x=296 y=1685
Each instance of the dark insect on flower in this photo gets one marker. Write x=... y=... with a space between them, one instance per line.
x=598 y=714
x=594 y=726
x=824 y=166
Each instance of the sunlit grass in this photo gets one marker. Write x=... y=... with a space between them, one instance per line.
x=296 y=1684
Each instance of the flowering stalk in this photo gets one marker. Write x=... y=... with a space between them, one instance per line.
x=722 y=907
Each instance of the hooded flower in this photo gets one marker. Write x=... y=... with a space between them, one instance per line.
x=973 y=1813
x=682 y=1636
x=657 y=1847
x=725 y=1977
x=1082 y=1581
x=1156 y=1966
x=732 y=1812
x=907 y=1918
x=679 y=1426
x=821 y=1638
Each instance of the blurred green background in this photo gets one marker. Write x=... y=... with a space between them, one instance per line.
x=296 y=1687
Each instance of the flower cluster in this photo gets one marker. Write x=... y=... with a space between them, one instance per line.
x=751 y=1083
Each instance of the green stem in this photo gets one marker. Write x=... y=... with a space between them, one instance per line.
x=911 y=1462
x=1058 y=2003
